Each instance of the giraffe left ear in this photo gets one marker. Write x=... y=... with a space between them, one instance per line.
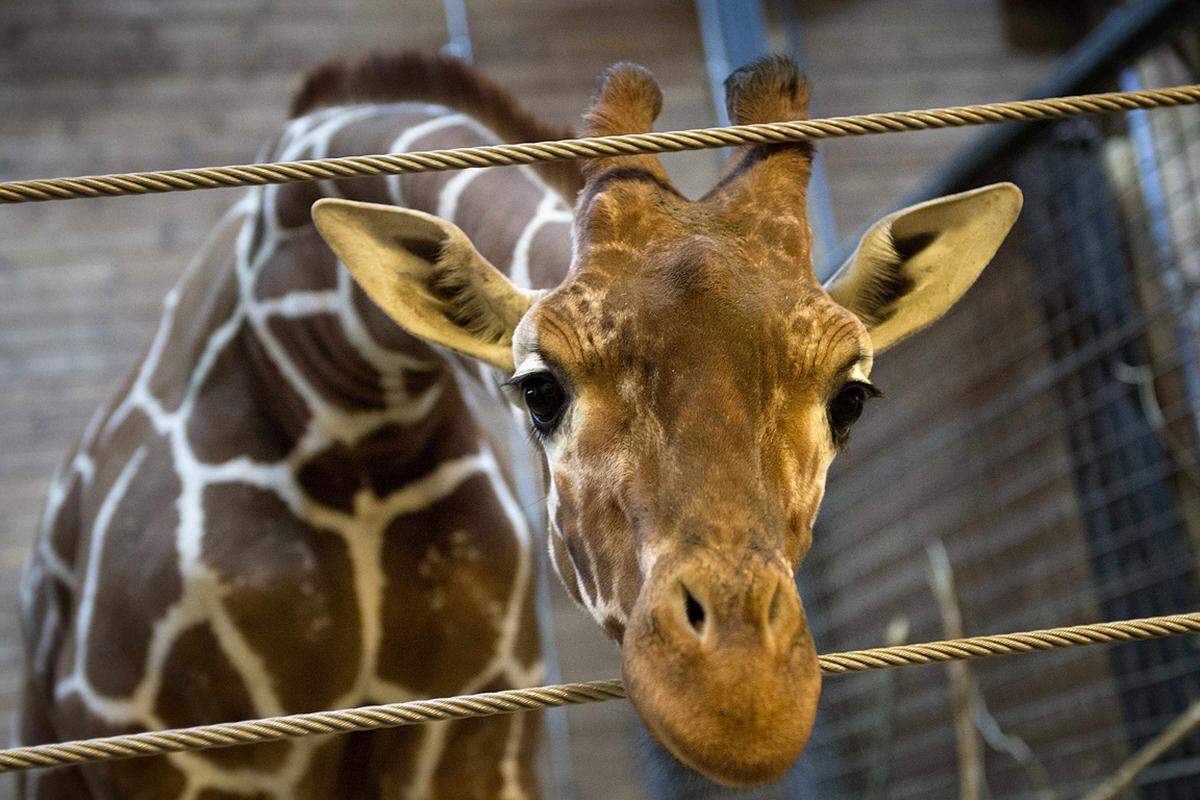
x=912 y=265
x=427 y=276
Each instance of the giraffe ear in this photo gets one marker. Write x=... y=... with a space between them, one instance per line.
x=427 y=276
x=912 y=265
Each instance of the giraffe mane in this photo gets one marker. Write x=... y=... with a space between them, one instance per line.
x=442 y=80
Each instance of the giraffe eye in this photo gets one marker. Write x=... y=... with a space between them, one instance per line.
x=847 y=406
x=545 y=399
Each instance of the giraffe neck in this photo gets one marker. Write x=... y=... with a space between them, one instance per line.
x=276 y=399
x=298 y=294
x=332 y=366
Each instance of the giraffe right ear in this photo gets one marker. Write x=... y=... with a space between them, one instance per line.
x=914 y=264
x=427 y=276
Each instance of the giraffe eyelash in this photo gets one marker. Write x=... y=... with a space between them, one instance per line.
x=545 y=398
x=845 y=408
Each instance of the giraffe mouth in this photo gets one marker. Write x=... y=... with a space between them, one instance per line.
x=726 y=678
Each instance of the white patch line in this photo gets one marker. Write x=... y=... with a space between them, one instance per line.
x=549 y=209
x=451 y=193
x=428 y=756
x=301 y=304
x=246 y=662
x=316 y=140
x=99 y=532
x=509 y=762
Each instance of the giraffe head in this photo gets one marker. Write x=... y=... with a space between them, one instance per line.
x=689 y=382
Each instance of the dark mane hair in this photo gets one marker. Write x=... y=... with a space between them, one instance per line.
x=442 y=80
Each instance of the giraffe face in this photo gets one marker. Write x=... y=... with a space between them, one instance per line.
x=689 y=382
x=689 y=394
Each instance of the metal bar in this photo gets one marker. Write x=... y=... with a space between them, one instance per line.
x=456 y=27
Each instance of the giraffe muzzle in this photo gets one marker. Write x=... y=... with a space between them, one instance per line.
x=720 y=665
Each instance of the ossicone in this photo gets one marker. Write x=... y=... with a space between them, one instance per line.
x=770 y=89
x=626 y=100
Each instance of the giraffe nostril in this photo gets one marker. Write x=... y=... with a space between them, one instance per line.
x=696 y=616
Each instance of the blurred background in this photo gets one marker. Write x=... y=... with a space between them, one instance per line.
x=1035 y=463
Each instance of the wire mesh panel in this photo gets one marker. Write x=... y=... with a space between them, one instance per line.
x=1045 y=435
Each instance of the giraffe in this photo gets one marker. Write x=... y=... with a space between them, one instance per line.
x=689 y=382
x=304 y=498
x=292 y=504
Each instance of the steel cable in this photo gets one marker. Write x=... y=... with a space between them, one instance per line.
x=183 y=180
x=415 y=712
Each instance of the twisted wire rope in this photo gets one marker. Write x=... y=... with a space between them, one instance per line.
x=509 y=701
x=182 y=180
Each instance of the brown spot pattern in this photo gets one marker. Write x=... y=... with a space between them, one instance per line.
x=138 y=579
x=280 y=276
x=290 y=591
x=378 y=764
x=244 y=407
x=389 y=458
x=218 y=794
x=449 y=574
x=549 y=253
x=138 y=779
x=423 y=189
x=204 y=688
x=384 y=331
x=488 y=224
x=207 y=298
x=470 y=765
x=63 y=532
x=319 y=349
x=293 y=202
